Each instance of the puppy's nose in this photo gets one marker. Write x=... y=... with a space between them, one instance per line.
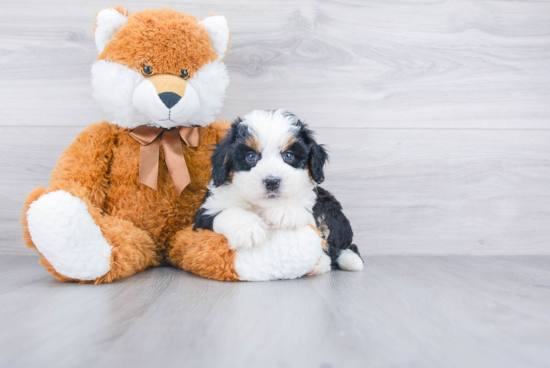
x=272 y=183
x=170 y=99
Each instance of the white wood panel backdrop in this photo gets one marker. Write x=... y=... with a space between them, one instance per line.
x=437 y=113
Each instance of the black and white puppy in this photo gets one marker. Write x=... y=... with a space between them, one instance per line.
x=264 y=177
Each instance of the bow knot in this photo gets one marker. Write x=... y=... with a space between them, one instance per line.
x=149 y=139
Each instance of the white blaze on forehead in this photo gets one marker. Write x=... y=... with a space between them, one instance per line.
x=272 y=128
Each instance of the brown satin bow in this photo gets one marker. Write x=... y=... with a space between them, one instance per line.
x=149 y=139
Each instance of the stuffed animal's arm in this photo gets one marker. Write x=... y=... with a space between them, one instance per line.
x=83 y=167
x=66 y=224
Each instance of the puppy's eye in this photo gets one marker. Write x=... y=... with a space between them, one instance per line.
x=288 y=156
x=147 y=70
x=252 y=157
x=184 y=74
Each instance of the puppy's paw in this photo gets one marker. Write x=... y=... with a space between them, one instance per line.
x=287 y=218
x=249 y=234
x=243 y=229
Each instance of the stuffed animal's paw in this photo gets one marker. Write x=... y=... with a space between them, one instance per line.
x=288 y=217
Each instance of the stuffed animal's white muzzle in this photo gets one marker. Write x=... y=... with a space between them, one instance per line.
x=167 y=100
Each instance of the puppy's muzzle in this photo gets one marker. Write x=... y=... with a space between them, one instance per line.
x=272 y=184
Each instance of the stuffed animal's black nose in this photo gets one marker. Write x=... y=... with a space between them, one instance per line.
x=169 y=98
x=272 y=183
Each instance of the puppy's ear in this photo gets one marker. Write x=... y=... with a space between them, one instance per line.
x=222 y=161
x=318 y=155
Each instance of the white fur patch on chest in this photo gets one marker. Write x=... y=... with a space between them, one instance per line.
x=287 y=254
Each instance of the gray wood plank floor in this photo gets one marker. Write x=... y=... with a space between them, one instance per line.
x=402 y=311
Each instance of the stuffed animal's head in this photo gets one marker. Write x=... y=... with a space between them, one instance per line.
x=160 y=67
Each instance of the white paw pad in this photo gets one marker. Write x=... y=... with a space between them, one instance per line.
x=348 y=260
x=65 y=233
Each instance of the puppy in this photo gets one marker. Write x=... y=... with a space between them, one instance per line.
x=264 y=177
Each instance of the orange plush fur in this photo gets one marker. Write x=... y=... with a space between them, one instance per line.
x=186 y=44
x=145 y=227
x=204 y=253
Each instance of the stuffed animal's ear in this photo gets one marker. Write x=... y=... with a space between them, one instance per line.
x=218 y=32
x=222 y=162
x=109 y=21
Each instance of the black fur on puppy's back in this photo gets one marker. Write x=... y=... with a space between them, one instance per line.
x=333 y=224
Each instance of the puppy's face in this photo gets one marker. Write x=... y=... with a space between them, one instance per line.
x=269 y=157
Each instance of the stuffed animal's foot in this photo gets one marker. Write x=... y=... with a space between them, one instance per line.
x=348 y=260
x=288 y=217
x=322 y=266
x=243 y=229
x=65 y=233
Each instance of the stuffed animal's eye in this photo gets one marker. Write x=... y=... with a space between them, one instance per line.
x=252 y=157
x=288 y=156
x=147 y=70
x=184 y=74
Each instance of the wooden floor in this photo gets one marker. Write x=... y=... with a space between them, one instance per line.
x=404 y=311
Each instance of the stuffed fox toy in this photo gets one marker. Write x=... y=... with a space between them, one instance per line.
x=123 y=195
x=123 y=189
